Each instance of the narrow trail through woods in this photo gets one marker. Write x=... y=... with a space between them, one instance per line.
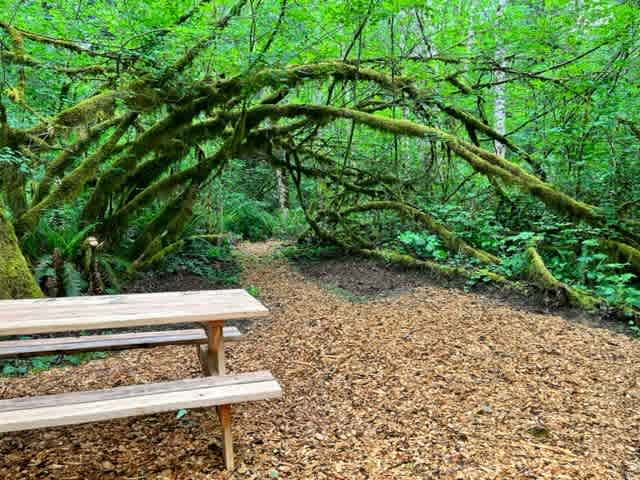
x=432 y=383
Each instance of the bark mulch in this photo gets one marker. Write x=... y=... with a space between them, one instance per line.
x=431 y=383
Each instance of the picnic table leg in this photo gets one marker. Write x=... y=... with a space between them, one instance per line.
x=224 y=414
x=212 y=361
x=212 y=354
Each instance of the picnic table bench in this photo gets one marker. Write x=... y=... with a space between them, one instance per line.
x=210 y=309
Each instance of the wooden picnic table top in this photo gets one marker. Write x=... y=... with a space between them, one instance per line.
x=49 y=315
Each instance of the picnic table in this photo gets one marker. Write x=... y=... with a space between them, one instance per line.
x=209 y=309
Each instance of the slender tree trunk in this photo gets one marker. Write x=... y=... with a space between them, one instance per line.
x=499 y=106
x=283 y=192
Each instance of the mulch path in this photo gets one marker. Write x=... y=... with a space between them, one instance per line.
x=430 y=383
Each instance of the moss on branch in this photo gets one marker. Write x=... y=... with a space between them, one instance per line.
x=542 y=277
x=450 y=241
x=72 y=184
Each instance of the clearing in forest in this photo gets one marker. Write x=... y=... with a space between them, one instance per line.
x=428 y=383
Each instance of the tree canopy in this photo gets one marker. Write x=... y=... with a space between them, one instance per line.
x=496 y=140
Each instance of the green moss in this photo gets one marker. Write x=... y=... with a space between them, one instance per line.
x=451 y=241
x=64 y=160
x=71 y=185
x=623 y=252
x=16 y=280
x=542 y=277
x=87 y=110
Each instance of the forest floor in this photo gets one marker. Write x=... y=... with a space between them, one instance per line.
x=419 y=382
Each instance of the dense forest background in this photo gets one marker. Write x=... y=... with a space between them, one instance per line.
x=492 y=140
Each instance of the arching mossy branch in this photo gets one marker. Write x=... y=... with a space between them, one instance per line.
x=72 y=184
x=481 y=160
x=450 y=241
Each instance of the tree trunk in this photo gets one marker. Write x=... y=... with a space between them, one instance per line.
x=499 y=105
x=16 y=280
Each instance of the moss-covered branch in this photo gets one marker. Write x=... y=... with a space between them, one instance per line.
x=67 y=157
x=450 y=241
x=623 y=252
x=72 y=184
x=141 y=264
x=542 y=277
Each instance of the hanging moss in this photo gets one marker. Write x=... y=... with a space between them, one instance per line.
x=57 y=167
x=87 y=110
x=166 y=227
x=160 y=133
x=16 y=280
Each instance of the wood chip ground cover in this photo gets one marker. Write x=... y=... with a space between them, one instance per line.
x=431 y=383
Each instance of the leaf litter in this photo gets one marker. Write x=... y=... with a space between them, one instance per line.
x=430 y=383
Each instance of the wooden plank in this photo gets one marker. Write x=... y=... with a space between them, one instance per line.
x=57 y=415
x=24 y=317
x=117 y=341
x=130 y=391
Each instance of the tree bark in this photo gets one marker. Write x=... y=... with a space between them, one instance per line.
x=499 y=105
x=16 y=280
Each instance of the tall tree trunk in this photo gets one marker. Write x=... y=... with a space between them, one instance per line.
x=499 y=107
x=16 y=280
x=283 y=192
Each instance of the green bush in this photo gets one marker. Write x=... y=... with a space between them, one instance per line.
x=251 y=219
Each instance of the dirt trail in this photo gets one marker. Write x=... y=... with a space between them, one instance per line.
x=432 y=383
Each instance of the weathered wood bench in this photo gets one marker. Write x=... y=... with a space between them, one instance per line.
x=208 y=308
x=117 y=341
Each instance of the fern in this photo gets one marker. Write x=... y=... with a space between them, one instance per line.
x=44 y=268
x=73 y=283
x=70 y=249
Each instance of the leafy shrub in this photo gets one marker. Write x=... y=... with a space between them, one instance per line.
x=213 y=262
x=251 y=220
x=423 y=245
x=291 y=226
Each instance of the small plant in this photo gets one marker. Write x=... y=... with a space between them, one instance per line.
x=19 y=367
x=423 y=245
x=253 y=291
x=251 y=219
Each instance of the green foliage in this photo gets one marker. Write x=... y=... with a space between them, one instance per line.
x=249 y=219
x=253 y=291
x=9 y=159
x=20 y=367
x=423 y=245
x=213 y=262
x=290 y=227
x=59 y=228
